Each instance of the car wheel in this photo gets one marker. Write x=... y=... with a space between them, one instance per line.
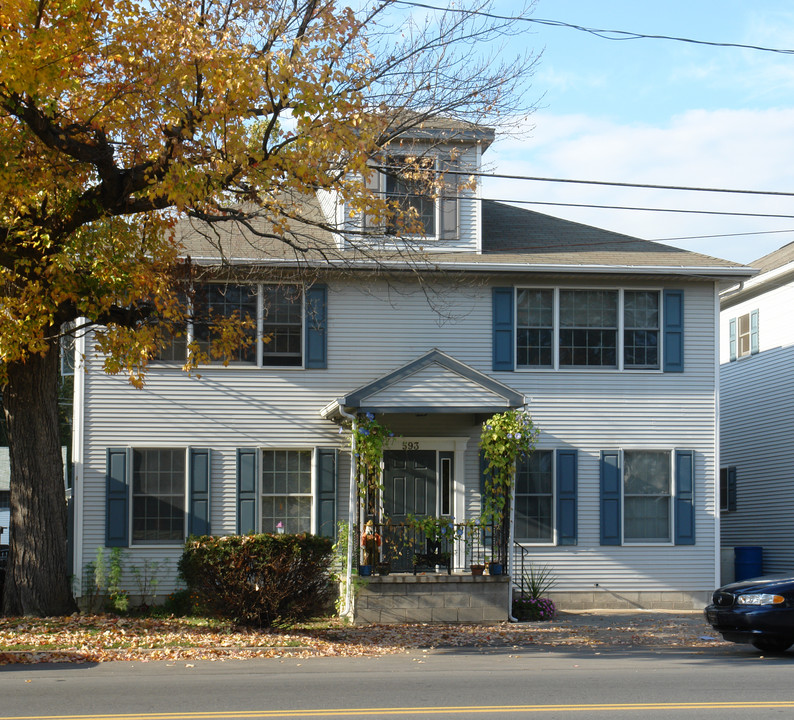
x=773 y=644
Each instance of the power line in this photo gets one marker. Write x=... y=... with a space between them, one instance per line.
x=607 y=183
x=599 y=32
x=642 y=209
x=721 y=235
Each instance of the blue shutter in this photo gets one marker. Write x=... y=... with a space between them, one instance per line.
x=731 y=500
x=732 y=338
x=684 y=498
x=673 y=331
x=199 y=492
x=246 y=491
x=754 y=332
x=566 y=497
x=610 y=498
x=326 y=492
x=117 y=498
x=316 y=323
x=503 y=354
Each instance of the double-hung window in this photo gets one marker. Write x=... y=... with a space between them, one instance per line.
x=641 y=329
x=214 y=305
x=287 y=491
x=282 y=325
x=158 y=496
x=534 y=498
x=408 y=184
x=647 y=496
x=609 y=329
x=588 y=328
x=535 y=328
x=252 y=324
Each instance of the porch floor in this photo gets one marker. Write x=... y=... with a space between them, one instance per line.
x=432 y=597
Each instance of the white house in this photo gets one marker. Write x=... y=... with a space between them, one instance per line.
x=609 y=341
x=757 y=412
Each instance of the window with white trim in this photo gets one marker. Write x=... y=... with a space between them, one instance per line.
x=588 y=329
x=647 y=495
x=272 y=313
x=158 y=496
x=534 y=498
x=282 y=325
x=286 y=491
x=408 y=182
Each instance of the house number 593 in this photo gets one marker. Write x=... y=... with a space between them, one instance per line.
x=410 y=446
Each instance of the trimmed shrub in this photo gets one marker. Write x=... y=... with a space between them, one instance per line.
x=528 y=608
x=259 y=580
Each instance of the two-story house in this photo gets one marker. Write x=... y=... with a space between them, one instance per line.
x=608 y=340
x=757 y=415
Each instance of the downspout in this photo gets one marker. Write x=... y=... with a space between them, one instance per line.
x=347 y=607
x=510 y=552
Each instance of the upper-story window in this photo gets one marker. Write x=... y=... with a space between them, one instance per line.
x=408 y=182
x=272 y=325
x=424 y=189
x=588 y=326
x=214 y=303
x=743 y=335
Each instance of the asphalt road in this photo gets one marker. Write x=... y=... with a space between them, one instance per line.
x=682 y=683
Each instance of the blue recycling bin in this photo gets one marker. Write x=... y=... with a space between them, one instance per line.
x=748 y=562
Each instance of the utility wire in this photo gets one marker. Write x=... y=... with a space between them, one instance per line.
x=642 y=209
x=599 y=32
x=396 y=169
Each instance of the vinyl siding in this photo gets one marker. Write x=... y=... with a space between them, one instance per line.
x=377 y=327
x=756 y=417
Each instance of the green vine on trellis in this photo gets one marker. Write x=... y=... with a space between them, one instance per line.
x=506 y=439
x=370 y=440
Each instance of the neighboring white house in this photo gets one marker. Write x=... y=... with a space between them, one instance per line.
x=757 y=412
x=610 y=341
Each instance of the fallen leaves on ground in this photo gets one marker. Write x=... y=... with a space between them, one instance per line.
x=99 y=638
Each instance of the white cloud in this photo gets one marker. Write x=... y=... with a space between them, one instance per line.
x=734 y=149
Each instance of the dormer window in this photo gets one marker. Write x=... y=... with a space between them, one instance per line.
x=409 y=183
x=426 y=185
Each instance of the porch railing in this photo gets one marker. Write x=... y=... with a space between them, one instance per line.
x=402 y=547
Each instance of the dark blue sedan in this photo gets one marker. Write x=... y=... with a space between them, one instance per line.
x=759 y=611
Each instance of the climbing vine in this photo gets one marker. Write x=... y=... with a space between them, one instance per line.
x=370 y=440
x=506 y=439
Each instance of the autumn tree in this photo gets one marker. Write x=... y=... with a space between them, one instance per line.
x=119 y=117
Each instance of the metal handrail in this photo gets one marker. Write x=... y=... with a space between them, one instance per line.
x=407 y=548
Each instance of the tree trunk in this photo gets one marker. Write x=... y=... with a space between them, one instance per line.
x=37 y=582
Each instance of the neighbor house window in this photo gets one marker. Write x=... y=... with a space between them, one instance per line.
x=5 y=499
x=588 y=328
x=282 y=325
x=408 y=182
x=535 y=327
x=728 y=489
x=287 y=491
x=647 y=496
x=641 y=329
x=158 y=496
x=743 y=335
x=534 y=517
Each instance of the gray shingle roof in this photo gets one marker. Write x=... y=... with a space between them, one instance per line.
x=512 y=236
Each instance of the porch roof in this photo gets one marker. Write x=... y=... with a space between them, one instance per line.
x=433 y=383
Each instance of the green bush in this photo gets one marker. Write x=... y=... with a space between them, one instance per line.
x=259 y=580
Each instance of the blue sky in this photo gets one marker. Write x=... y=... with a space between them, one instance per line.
x=661 y=112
